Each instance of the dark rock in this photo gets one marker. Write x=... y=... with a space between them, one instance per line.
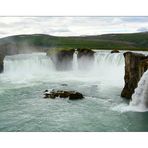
x=46 y=95
x=133 y=72
x=1 y=63
x=143 y=66
x=115 y=51
x=63 y=59
x=85 y=58
x=75 y=96
x=1 y=66
x=85 y=52
x=72 y=95
x=64 y=84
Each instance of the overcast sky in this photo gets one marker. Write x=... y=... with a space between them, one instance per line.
x=71 y=26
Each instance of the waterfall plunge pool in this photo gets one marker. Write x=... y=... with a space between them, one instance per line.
x=25 y=77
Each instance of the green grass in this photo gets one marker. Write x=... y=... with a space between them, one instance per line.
x=134 y=41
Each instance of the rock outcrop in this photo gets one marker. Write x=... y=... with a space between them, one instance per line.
x=85 y=52
x=115 y=51
x=63 y=59
x=1 y=62
x=85 y=58
x=72 y=95
x=135 y=66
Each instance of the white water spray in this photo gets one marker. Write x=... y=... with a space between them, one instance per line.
x=75 y=60
x=114 y=59
x=140 y=96
x=27 y=66
x=107 y=68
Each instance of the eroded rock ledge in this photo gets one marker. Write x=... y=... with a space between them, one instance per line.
x=135 y=65
x=85 y=52
x=64 y=57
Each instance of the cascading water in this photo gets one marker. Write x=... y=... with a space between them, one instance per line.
x=27 y=66
x=26 y=76
x=75 y=60
x=140 y=96
x=109 y=67
x=106 y=68
x=113 y=59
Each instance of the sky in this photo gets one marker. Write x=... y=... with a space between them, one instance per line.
x=71 y=26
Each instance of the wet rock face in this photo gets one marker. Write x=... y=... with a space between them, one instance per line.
x=115 y=51
x=85 y=58
x=133 y=72
x=1 y=63
x=72 y=95
x=1 y=67
x=85 y=52
x=63 y=59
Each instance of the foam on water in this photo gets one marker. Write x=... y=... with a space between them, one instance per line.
x=139 y=102
x=123 y=107
x=140 y=96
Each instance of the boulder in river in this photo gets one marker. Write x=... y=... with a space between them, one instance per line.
x=72 y=95
x=64 y=84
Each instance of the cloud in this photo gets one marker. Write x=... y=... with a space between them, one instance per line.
x=135 y=19
x=71 y=26
x=142 y=29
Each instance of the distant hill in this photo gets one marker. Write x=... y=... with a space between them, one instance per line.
x=43 y=42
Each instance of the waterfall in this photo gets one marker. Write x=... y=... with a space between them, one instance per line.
x=106 y=67
x=114 y=59
x=75 y=60
x=109 y=67
x=140 y=96
x=27 y=66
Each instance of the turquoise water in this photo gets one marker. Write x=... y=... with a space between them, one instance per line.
x=22 y=107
